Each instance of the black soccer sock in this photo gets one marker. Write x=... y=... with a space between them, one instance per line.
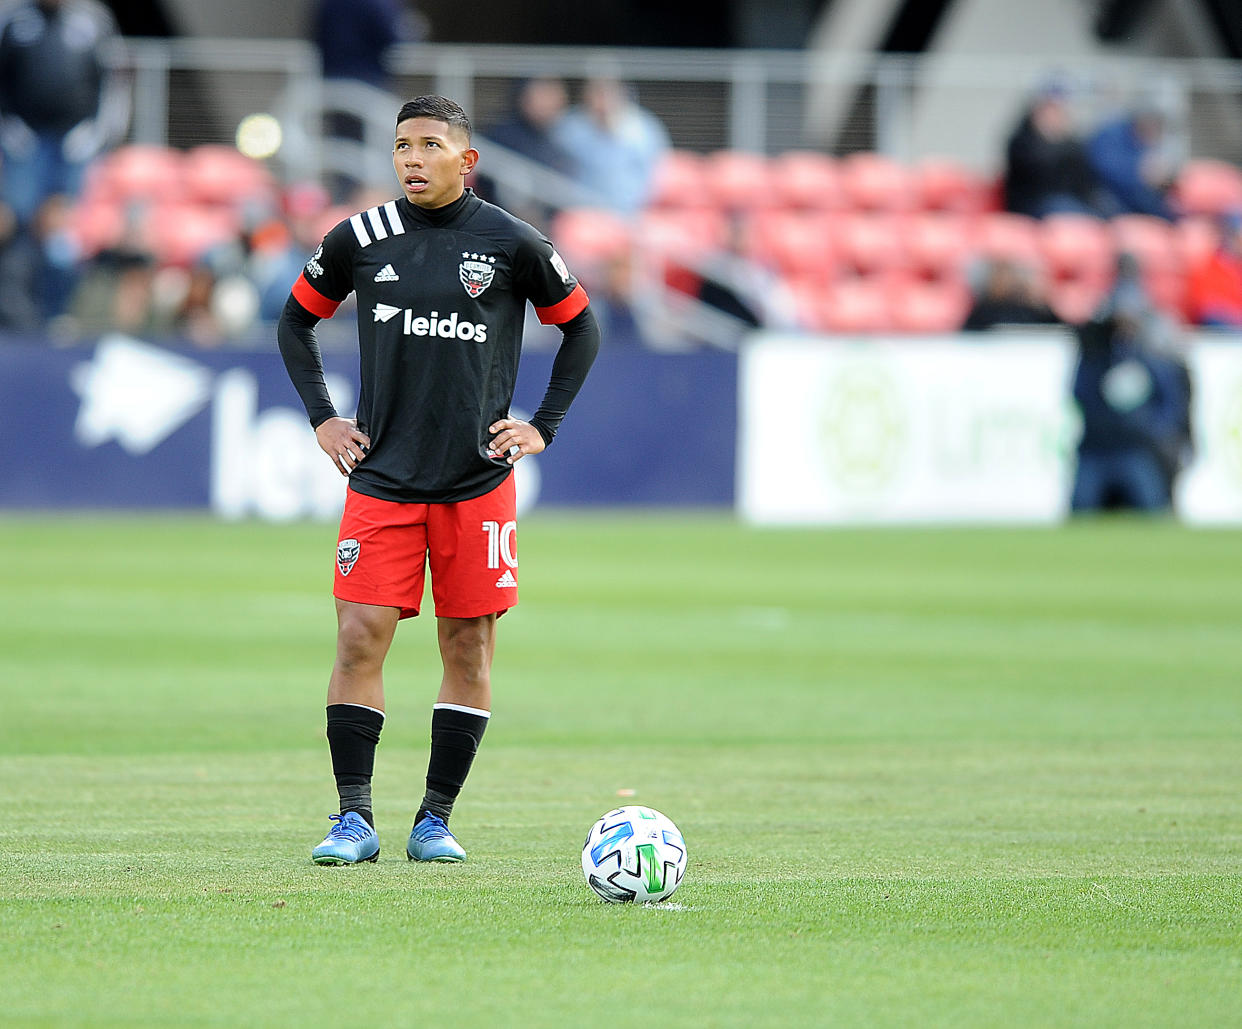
x=455 y=736
x=353 y=733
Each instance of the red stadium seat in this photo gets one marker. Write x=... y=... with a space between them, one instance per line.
x=1152 y=240
x=738 y=181
x=1167 y=290
x=941 y=184
x=99 y=224
x=586 y=235
x=807 y=297
x=803 y=179
x=685 y=234
x=1013 y=237
x=859 y=305
x=679 y=181
x=939 y=245
x=143 y=172
x=1195 y=239
x=180 y=233
x=222 y=175
x=1076 y=246
x=930 y=307
x=873 y=242
x=1209 y=187
x=873 y=182
x=796 y=243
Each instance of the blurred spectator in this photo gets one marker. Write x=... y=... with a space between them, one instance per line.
x=117 y=292
x=221 y=296
x=1007 y=296
x=353 y=38
x=58 y=257
x=1136 y=159
x=60 y=102
x=611 y=288
x=1046 y=166
x=116 y=288
x=530 y=130
x=1134 y=395
x=530 y=127
x=354 y=35
x=277 y=257
x=17 y=303
x=733 y=283
x=1214 y=284
x=614 y=144
x=39 y=267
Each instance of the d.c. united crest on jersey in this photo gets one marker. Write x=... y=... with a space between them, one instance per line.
x=476 y=272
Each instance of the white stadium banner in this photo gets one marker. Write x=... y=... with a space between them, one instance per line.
x=1210 y=490
x=912 y=430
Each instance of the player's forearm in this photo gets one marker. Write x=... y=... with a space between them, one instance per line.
x=569 y=371
x=295 y=333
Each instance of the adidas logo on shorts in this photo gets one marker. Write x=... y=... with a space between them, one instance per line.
x=387 y=274
x=506 y=581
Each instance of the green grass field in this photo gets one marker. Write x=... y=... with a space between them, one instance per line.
x=926 y=777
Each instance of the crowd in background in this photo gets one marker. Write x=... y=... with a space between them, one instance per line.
x=70 y=273
x=1131 y=382
x=60 y=112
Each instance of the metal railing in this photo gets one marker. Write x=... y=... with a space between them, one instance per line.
x=767 y=101
x=189 y=91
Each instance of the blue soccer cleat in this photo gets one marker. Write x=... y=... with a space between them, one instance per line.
x=350 y=841
x=430 y=840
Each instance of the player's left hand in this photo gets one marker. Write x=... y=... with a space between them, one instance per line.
x=511 y=433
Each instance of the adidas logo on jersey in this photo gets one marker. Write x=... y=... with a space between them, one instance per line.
x=387 y=274
x=506 y=581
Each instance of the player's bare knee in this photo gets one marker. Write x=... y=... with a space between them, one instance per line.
x=466 y=649
x=360 y=641
x=468 y=655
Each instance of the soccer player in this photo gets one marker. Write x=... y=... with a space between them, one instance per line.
x=442 y=280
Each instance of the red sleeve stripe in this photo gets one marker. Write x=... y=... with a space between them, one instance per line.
x=314 y=301
x=572 y=306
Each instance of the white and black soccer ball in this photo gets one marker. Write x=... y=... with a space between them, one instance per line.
x=634 y=854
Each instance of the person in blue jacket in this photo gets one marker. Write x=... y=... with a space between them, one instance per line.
x=1135 y=159
x=1134 y=396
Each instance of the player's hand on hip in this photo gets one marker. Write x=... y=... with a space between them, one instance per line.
x=344 y=442
x=514 y=439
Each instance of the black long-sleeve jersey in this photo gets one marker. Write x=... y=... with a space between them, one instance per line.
x=441 y=305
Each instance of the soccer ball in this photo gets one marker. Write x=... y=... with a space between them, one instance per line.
x=634 y=854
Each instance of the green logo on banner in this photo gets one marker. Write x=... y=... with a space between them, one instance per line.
x=864 y=428
x=1231 y=432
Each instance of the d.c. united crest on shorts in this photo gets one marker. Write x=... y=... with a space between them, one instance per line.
x=346 y=555
x=476 y=272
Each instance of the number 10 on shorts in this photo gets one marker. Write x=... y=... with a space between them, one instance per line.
x=500 y=543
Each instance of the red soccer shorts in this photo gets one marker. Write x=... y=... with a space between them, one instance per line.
x=384 y=549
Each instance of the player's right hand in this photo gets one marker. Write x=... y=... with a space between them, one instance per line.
x=344 y=442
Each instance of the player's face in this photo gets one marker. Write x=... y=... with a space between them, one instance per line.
x=432 y=160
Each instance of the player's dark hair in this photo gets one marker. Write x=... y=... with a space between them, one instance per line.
x=439 y=108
